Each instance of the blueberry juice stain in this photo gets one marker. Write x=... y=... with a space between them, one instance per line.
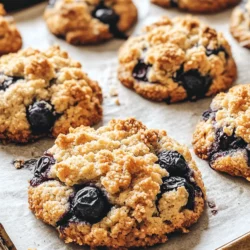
x=108 y=16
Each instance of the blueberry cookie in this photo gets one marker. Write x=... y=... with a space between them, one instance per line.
x=175 y=60
x=90 y=21
x=223 y=135
x=198 y=6
x=10 y=38
x=119 y=186
x=44 y=94
x=240 y=24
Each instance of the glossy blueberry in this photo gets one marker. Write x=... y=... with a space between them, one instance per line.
x=224 y=142
x=173 y=183
x=140 y=71
x=173 y=162
x=210 y=52
x=108 y=16
x=194 y=83
x=6 y=81
x=90 y=204
x=208 y=114
x=41 y=117
x=41 y=169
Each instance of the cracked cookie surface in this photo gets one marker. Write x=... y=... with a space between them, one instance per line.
x=198 y=6
x=90 y=21
x=240 y=24
x=10 y=38
x=223 y=135
x=120 y=186
x=175 y=60
x=44 y=94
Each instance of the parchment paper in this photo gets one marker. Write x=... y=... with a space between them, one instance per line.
x=231 y=195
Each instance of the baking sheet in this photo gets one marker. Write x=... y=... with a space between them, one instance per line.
x=228 y=220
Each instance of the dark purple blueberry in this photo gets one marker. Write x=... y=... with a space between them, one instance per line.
x=90 y=204
x=173 y=183
x=248 y=156
x=108 y=16
x=41 y=170
x=216 y=51
x=140 y=71
x=208 y=114
x=194 y=83
x=173 y=162
x=6 y=81
x=41 y=117
x=174 y=3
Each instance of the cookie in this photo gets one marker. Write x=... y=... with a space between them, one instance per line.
x=120 y=186
x=176 y=60
x=90 y=21
x=223 y=135
x=197 y=6
x=43 y=94
x=10 y=38
x=240 y=24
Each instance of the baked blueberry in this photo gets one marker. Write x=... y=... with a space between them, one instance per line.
x=194 y=83
x=42 y=167
x=108 y=16
x=140 y=71
x=6 y=81
x=90 y=204
x=173 y=183
x=216 y=51
x=41 y=117
x=173 y=162
x=208 y=114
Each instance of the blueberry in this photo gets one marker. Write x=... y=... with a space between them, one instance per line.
x=43 y=164
x=42 y=167
x=224 y=142
x=6 y=81
x=90 y=204
x=140 y=71
x=41 y=117
x=172 y=183
x=248 y=156
x=193 y=82
x=174 y=3
x=173 y=162
x=210 y=52
x=107 y=16
x=209 y=114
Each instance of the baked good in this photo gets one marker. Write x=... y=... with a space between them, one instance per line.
x=178 y=59
x=120 y=186
x=43 y=94
x=240 y=24
x=198 y=6
x=10 y=38
x=90 y=21
x=223 y=135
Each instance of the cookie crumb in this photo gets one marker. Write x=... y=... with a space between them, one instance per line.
x=117 y=102
x=113 y=91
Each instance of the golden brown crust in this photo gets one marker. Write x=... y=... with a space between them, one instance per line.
x=50 y=76
x=240 y=24
x=74 y=21
x=232 y=116
x=168 y=46
x=119 y=158
x=10 y=38
x=199 y=6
